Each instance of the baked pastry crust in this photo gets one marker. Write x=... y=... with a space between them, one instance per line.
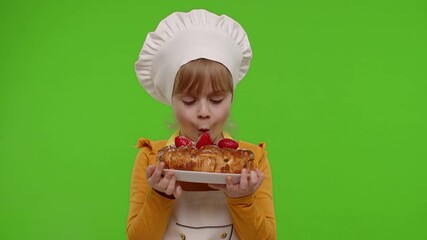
x=209 y=158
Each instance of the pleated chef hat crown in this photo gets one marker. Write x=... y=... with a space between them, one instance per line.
x=183 y=37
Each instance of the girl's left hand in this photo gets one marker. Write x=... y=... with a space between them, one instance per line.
x=249 y=183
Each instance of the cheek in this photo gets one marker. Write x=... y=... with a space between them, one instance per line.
x=180 y=118
x=224 y=112
x=181 y=115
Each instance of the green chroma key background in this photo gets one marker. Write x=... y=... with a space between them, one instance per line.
x=337 y=90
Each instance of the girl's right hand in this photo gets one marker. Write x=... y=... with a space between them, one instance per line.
x=165 y=184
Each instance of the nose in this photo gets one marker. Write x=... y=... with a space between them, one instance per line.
x=203 y=111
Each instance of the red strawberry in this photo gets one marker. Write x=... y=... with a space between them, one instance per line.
x=204 y=139
x=182 y=141
x=228 y=143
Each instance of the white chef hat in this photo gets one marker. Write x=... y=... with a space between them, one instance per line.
x=183 y=37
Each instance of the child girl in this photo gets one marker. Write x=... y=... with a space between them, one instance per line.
x=193 y=62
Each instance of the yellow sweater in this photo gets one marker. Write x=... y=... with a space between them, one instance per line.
x=149 y=212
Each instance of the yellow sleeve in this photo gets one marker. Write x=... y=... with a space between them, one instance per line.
x=253 y=216
x=149 y=212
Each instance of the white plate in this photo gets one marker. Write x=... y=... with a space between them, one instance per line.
x=203 y=177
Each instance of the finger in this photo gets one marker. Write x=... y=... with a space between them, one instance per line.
x=150 y=170
x=177 y=192
x=229 y=185
x=160 y=168
x=157 y=175
x=170 y=188
x=261 y=176
x=164 y=182
x=253 y=179
x=244 y=180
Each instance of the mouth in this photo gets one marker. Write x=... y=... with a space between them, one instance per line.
x=202 y=130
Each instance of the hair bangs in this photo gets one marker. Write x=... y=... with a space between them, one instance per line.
x=195 y=75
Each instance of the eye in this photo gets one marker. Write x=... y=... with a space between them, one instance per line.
x=188 y=100
x=217 y=100
x=188 y=103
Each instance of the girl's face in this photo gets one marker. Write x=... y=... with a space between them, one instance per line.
x=206 y=112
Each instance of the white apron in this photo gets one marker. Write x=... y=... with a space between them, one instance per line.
x=200 y=215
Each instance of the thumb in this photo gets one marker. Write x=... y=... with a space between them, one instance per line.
x=177 y=192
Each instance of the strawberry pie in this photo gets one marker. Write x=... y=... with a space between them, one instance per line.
x=205 y=156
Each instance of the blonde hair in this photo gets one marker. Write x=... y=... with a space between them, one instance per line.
x=193 y=76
